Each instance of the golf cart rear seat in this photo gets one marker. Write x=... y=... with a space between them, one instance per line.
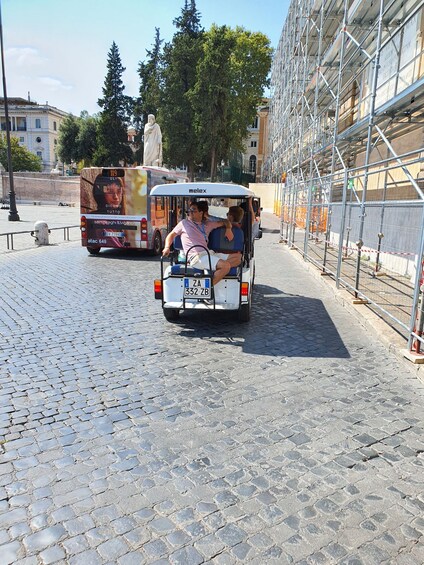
x=217 y=243
x=179 y=267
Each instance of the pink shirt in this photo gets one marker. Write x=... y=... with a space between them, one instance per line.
x=195 y=234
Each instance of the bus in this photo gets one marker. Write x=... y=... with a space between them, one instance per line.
x=116 y=211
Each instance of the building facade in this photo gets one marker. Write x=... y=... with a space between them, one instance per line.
x=256 y=142
x=36 y=127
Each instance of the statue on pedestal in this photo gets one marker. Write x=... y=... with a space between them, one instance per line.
x=152 y=143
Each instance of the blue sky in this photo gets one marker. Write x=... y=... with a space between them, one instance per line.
x=57 y=49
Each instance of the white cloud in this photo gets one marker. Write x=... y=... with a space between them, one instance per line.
x=24 y=56
x=54 y=83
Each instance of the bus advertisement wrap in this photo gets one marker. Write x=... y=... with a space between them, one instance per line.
x=116 y=210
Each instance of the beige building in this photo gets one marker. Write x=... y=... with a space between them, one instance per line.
x=256 y=142
x=36 y=126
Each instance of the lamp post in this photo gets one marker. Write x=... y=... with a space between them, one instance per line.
x=13 y=212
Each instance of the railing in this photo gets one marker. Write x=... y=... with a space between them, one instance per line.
x=370 y=242
x=10 y=235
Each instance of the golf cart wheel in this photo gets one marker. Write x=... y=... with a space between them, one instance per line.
x=171 y=314
x=93 y=250
x=244 y=313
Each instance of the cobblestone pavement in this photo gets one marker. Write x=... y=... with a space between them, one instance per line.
x=296 y=438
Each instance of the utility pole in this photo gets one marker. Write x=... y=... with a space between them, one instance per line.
x=13 y=212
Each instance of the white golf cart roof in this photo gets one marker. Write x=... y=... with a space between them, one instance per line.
x=202 y=190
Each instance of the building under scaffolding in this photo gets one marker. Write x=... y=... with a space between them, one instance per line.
x=346 y=147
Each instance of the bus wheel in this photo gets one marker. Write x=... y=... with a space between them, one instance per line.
x=244 y=313
x=157 y=244
x=171 y=314
x=93 y=250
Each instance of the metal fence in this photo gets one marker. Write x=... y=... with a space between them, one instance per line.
x=12 y=241
x=369 y=241
x=346 y=139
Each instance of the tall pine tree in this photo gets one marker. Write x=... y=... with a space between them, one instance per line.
x=150 y=91
x=179 y=76
x=113 y=148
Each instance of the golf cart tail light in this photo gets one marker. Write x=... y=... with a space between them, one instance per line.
x=158 y=288
x=245 y=289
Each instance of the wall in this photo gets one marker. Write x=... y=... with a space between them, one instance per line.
x=47 y=188
x=42 y=187
x=266 y=192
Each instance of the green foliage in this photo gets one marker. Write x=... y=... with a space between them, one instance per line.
x=150 y=79
x=87 y=139
x=188 y=23
x=68 y=133
x=230 y=78
x=112 y=130
x=22 y=158
x=176 y=114
x=250 y=66
x=210 y=95
x=78 y=139
x=211 y=85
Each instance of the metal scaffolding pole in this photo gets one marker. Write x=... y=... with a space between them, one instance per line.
x=371 y=116
x=314 y=132
x=335 y=154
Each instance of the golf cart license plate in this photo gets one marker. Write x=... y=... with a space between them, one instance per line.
x=197 y=288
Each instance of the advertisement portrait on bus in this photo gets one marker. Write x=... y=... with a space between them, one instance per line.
x=116 y=211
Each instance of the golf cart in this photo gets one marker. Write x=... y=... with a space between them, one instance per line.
x=182 y=287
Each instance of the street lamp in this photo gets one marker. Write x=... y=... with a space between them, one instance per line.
x=13 y=213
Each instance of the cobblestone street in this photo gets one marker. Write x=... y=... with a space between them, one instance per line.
x=296 y=438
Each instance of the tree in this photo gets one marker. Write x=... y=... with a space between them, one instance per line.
x=67 y=144
x=179 y=76
x=210 y=95
x=250 y=66
x=113 y=147
x=150 y=91
x=230 y=79
x=78 y=138
x=22 y=158
x=87 y=138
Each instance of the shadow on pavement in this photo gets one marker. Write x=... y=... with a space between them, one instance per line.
x=125 y=255
x=270 y=230
x=282 y=324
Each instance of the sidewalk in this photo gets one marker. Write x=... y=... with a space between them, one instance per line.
x=365 y=315
x=55 y=216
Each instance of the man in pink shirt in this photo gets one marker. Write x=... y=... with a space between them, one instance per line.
x=194 y=231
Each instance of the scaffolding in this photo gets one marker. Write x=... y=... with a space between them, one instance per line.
x=346 y=147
